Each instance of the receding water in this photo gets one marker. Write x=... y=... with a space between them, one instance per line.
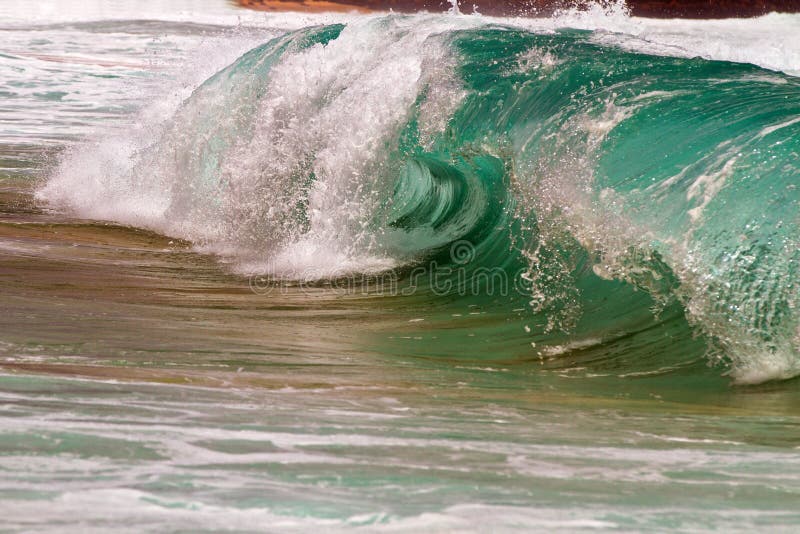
x=433 y=273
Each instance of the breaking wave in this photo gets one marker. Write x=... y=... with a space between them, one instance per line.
x=613 y=191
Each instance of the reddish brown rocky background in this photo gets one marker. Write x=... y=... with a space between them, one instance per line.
x=641 y=8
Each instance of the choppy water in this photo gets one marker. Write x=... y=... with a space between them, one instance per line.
x=403 y=273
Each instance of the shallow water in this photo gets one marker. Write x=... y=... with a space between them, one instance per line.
x=156 y=382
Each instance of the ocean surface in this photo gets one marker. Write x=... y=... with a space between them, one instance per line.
x=391 y=273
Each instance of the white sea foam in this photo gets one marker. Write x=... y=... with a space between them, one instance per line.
x=331 y=111
x=769 y=41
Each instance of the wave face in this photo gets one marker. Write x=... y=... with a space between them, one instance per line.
x=611 y=191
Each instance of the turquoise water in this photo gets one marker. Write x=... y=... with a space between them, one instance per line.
x=432 y=272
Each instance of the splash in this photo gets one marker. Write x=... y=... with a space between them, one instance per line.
x=454 y=9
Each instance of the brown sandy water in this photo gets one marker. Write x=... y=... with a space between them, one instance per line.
x=95 y=299
x=143 y=384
